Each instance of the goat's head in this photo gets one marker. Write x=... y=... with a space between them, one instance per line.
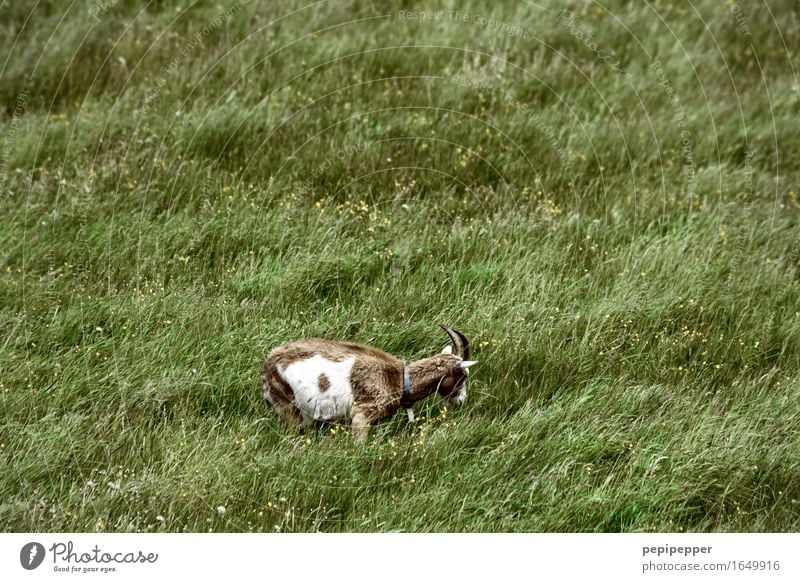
x=455 y=368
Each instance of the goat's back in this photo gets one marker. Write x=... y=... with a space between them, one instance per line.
x=336 y=351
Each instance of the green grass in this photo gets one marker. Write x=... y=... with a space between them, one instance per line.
x=175 y=205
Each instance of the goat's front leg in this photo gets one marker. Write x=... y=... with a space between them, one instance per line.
x=361 y=422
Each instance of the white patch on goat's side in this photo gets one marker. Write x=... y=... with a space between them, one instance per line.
x=332 y=404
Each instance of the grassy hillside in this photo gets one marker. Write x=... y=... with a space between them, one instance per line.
x=603 y=198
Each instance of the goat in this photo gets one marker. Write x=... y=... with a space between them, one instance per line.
x=320 y=380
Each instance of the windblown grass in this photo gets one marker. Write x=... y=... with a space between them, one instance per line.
x=186 y=185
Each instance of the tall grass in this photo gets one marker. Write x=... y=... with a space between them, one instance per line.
x=187 y=185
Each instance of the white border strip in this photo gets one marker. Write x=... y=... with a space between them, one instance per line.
x=401 y=557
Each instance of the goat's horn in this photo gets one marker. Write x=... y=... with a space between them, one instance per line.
x=460 y=342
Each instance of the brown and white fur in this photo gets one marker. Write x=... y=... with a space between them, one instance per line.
x=320 y=380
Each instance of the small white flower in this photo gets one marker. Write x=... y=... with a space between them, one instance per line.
x=160 y=518
x=221 y=509
x=98 y=329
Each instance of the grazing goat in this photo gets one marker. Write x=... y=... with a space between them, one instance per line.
x=320 y=380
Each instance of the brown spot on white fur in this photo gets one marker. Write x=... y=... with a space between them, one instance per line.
x=323 y=383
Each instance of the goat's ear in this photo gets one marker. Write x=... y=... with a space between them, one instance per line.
x=448 y=349
x=468 y=363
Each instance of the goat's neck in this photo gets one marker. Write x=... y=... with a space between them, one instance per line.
x=424 y=377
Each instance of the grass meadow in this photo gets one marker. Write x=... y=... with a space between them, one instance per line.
x=602 y=196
